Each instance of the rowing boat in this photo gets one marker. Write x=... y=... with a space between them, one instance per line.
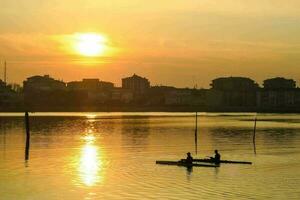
x=222 y=161
x=184 y=164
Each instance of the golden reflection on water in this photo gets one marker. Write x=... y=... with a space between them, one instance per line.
x=90 y=167
x=91 y=116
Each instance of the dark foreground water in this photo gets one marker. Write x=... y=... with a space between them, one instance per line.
x=112 y=156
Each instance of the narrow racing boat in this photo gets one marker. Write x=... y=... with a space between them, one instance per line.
x=222 y=161
x=184 y=164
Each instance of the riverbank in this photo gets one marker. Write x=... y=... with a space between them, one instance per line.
x=136 y=108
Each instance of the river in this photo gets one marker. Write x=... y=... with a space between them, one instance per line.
x=112 y=156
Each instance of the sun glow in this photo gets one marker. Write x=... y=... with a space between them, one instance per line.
x=90 y=44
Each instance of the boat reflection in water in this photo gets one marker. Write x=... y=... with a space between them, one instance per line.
x=90 y=166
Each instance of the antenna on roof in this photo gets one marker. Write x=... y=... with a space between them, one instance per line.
x=4 y=72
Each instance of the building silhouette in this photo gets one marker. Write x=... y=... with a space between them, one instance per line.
x=135 y=83
x=90 y=92
x=43 y=83
x=121 y=96
x=279 y=93
x=235 y=91
x=44 y=93
x=9 y=98
x=93 y=84
x=279 y=83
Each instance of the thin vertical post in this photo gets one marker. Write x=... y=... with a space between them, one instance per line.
x=196 y=134
x=5 y=72
x=254 y=134
x=27 y=136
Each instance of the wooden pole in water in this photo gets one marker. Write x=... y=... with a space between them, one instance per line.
x=196 y=134
x=254 y=134
x=27 y=136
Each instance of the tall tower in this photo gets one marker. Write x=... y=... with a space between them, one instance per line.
x=4 y=72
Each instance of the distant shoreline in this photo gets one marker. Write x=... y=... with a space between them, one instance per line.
x=150 y=109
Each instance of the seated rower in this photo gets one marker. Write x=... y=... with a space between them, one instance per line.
x=189 y=158
x=217 y=157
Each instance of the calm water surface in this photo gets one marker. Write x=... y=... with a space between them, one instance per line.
x=112 y=156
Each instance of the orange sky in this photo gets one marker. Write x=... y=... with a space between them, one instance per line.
x=172 y=42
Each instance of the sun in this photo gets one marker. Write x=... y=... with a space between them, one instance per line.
x=90 y=44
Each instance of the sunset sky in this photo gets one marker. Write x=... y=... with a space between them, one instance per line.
x=171 y=42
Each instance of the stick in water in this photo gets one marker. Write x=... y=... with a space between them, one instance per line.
x=254 y=134
x=27 y=136
x=196 y=135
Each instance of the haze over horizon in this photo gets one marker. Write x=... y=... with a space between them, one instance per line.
x=174 y=42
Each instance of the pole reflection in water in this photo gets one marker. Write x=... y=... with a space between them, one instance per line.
x=90 y=167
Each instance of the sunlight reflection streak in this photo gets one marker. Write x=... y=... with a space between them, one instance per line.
x=90 y=166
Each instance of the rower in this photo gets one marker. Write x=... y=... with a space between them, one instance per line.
x=189 y=158
x=217 y=157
